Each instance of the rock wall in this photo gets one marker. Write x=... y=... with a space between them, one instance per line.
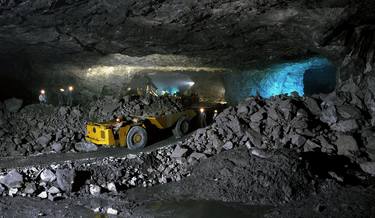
x=54 y=36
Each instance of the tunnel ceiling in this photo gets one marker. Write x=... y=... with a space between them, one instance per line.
x=218 y=31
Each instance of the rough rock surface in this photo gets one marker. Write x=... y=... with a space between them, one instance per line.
x=108 y=107
x=36 y=127
x=239 y=176
x=188 y=27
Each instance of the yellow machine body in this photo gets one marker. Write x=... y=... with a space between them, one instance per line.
x=167 y=121
x=102 y=133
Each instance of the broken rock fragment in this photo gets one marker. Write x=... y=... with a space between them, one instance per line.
x=346 y=145
x=368 y=167
x=12 y=180
x=345 y=126
x=65 y=178
x=329 y=115
x=311 y=146
x=85 y=147
x=57 y=146
x=47 y=176
x=95 y=190
x=30 y=188
x=44 y=140
x=228 y=145
x=178 y=152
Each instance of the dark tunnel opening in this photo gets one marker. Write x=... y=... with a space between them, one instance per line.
x=16 y=79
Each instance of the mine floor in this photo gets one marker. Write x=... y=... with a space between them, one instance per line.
x=102 y=152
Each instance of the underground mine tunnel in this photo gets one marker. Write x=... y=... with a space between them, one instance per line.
x=187 y=108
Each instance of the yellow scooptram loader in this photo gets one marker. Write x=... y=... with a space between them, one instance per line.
x=133 y=133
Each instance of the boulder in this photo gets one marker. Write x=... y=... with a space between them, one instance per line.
x=30 y=188
x=44 y=140
x=326 y=146
x=43 y=195
x=47 y=176
x=257 y=117
x=228 y=145
x=345 y=125
x=53 y=190
x=287 y=108
x=112 y=211
x=335 y=176
x=259 y=153
x=368 y=167
x=310 y=146
x=346 y=145
x=235 y=126
x=65 y=178
x=255 y=138
x=349 y=112
x=273 y=114
x=85 y=147
x=12 y=191
x=112 y=187
x=178 y=152
x=12 y=180
x=216 y=142
x=95 y=190
x=57 y=146
x=313 y=106
x=242 y=109
x=299 y=124
x=13 y=105
x=298 y=140
x=329 y=115
x=197 y=155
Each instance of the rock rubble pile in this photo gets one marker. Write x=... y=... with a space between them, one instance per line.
x=305 y=124
x=44 y=128
x=109 y=107
x=39 y=129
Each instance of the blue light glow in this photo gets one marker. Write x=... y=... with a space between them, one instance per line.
x=173 y=90
x=277 y=79
x=170 y=91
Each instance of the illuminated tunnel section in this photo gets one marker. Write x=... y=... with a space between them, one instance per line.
x=314 y=75
x=171 y=83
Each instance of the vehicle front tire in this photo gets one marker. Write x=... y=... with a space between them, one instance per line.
x=182 y=128
x=136 y=138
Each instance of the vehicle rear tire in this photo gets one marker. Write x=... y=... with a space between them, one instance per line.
x=136 y=138
x=182 y=128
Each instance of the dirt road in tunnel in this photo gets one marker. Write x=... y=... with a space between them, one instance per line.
x=102 y=152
